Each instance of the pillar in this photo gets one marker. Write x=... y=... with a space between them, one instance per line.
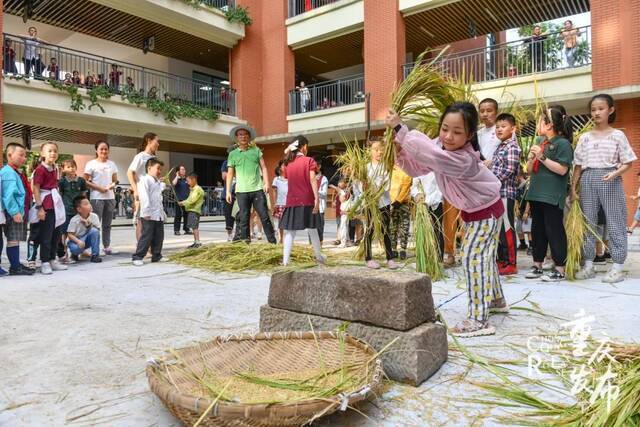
x=384 y=52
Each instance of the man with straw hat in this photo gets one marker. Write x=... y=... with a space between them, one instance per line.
x=246 y=164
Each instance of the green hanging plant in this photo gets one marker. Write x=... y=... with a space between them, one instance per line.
x=238 y=14
x=18 y=77
x=77 y=103
x=98 y=92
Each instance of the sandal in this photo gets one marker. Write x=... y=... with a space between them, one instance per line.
x=472 y=328
x=499 y=306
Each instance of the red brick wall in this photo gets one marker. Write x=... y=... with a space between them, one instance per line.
x=628 y=119
x=616 y=43
x=263 y=69
x=384 y=52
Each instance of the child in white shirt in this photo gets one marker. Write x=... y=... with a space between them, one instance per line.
x=152 y=214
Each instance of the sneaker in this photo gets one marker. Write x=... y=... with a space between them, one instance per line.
x=392 y=265
x=498 y=307
x=472 y=328
x=553 y=276
x=403 y=255
x=195 y=245
x=534 y=273
x=110 y=251
x=3 y=272
x=68 y=260
x=56 y=266
x=177 y=233
x=336 y=243
x=508 y=270
x=523 y=246
x=96 y=259
x=600 y=260
x=229 y=238
x=373 y=264
x=586 y=273
x=548 y=265
x=613 y=276
x=31 y=265
x=45 y=268
x=607 y=256
x=21 y=270
x=138 y=262
x=75 y=258
x=259 y=236
x=529 y=250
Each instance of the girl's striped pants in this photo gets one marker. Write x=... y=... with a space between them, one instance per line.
x=479 y=250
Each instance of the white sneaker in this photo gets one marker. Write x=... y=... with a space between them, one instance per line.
x=613 y=276
x=138 y=262
x=56 y=266
x=110 y=251
x=163 y=259
x=586 y=273
x=45 y=268
x=548 y=265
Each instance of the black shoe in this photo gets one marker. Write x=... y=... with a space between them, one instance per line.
x=529 y=250
x=607 y=256
x=75 y=257
x=395 y=254
x=534 y=273
x=177 y=233
x=523 y=246
x=553 y=276
x=96 y=258
x=188 y=232
x=195 y=245
x=600 y=259
x=403 y=255
x=21 y=271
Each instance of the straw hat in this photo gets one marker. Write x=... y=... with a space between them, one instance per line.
x=252 y=132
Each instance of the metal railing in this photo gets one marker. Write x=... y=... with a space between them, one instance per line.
x=298 y=7
x=24 y=56
x=213 y=204
x=518 y=58
x=330 y=94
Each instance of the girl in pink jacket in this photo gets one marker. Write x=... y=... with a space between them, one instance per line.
x=455 y=159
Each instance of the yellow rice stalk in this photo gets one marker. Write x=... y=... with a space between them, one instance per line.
x=427 y=249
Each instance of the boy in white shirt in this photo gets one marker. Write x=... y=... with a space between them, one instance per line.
x=489 y=142
x=152 y=214
x=83 y=231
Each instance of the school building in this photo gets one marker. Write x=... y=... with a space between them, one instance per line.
x=348 y=53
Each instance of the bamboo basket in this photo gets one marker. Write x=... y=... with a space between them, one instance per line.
x=265 y=354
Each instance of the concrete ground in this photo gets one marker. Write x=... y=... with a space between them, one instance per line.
x=73 y=346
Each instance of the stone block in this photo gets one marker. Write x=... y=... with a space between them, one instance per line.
x=414 y=357
x=391 y=299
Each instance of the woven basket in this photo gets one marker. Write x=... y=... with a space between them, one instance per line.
x=263 y=354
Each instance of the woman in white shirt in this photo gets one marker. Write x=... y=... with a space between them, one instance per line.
x=102 y=176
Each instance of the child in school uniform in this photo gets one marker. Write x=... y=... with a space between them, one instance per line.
x=49 y=207
x=280 y=185
x=602 y=156
x=83 y=230
x=400 y=194
x=303 y=202
x=424 y=189
x=16 y=201
x=71 y=186
x=469 y=185
x=505 y=165
x=379 y=179
x=3 y=220
x=152 y=216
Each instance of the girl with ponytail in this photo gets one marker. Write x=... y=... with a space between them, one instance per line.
x=470 y=186
x=548 y=164
x=302 y=198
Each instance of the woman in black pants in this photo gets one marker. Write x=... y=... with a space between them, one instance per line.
x=549 y=163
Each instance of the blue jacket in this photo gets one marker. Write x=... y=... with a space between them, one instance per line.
x=13 y=192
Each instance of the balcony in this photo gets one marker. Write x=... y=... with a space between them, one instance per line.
x=516 y=59
x=205 y=20
x=125 y=90
x=324 y=20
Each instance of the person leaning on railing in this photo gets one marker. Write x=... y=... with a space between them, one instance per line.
x=570 y=36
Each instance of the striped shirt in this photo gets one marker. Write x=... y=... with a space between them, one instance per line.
x=505 y=166
x=596 y=151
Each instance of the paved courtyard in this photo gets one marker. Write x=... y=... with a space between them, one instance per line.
x=73 y=346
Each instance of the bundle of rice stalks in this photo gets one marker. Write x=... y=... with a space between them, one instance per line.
x=575 y=225
x=239 y=256
x=593 y=404
x=426 y=241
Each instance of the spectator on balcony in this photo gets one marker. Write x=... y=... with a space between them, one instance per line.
x=325 y=103
x=305 y=96
x=68 y=80
x=100 y=81
x=32 y=53
x=53 y=70
x=513 y=71
x=76 y=79
x=252 y=186
x=9 y=57
x=130 y=87
x=570 y=37
x=224 y=100
x=114 y=77
x=90 y=80
x=537 y=49
x=153 y=93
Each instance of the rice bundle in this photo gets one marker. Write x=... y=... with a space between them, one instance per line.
x=426 y=241
x=239 y=256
